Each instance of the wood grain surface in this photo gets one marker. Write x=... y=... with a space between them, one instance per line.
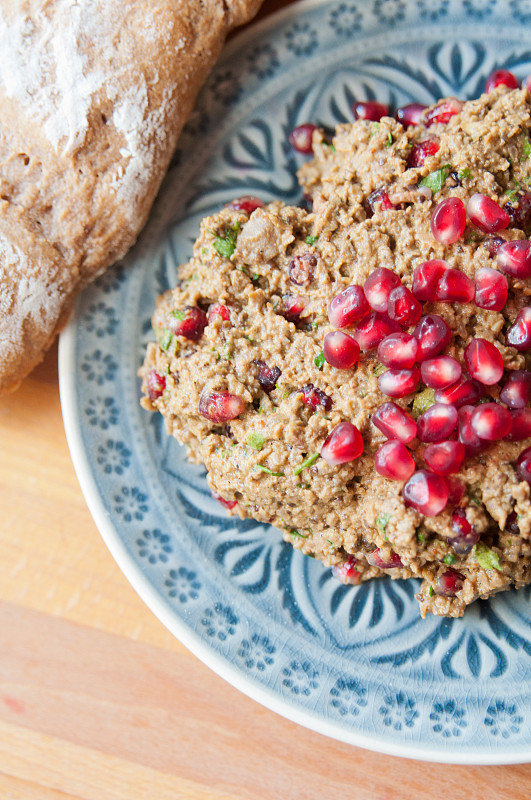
x=99 y=702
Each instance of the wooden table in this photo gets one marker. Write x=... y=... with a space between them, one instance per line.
x=98 y=701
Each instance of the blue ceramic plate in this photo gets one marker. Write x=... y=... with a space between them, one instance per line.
x=354 y=663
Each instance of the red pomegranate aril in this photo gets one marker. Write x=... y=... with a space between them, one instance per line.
x=398 y=350
x=227 y=503
x=443 y=112
x=341 y=350
x=347 y=572
x=410 y=114
x=440 y=372
x=519 y=209
x=514 y=258
x=221 y=406
x=377 y=200
x=465 y=391
x=473 y=444
x=370 y=331
x=403 y=307
x=517 y=390
x=436 y=423
x=519 y=334
x=267 y=376
x=189 y=322
x=302 y=267
x=348 y=307
x=375 y=559
x=155 y=384
x=294 y=305
x=449 y=583
x=501 y=77
x=394 y=461
x=448 y=221
x=492 y=289
x=487 y=215
x=218 y=310
x=426 y=492
x=426 y=276
x=492 y=244
x=315 y=398
x=394 y=422
x=521 y=429
x=421 y=151
x=445 y=458
x=369 y=109
x=456 y=490
x=455 y=287
x=433 y=335
x=379 y=286
x=523 y=465
x=344 y=444
x=301 y=137
x=398 y=382
x=247 y=203
x=491 y=421
x=484 y=361
x=464 y=536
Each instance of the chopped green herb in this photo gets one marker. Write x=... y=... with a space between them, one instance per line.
x=296 y=533
x=225 y=353
x=421 y=538
x=379 y=369
x=226 y=245
x=464 y=174
x=268 y=471
x=330 y=542
x=178 y=314
x=382 y=522
x=449 y=559
x=255 y=440
x=526 y=149
x=423 y=400
x=375 y=129
x=319 y=360
x=168 y=342
x=389 y=139
x=510 y=193
x=303 y=486
x=430 y=591
x=311 y=240
x=330 y=145
x=315 y=326
x=255 y=276
x=486 y=557
x=307 y=463
x=249 y=339
x=436 y=180
x=475 y=498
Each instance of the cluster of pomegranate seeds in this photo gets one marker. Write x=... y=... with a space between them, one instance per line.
x=421 y=151
x=155 y=384
x=501 y=77
x=218 y=310
x=221 y=406
x=370 y=110
x=341 y=350
x=301 y=137
x=343 y=444
x=346 y=572
x=394 y=461
x=315 y=398
x=247 y=203
x=227 y=503
x=375 y=559
x=301 y=268
x=189 y=322
x=267 y=376
x=448 y=221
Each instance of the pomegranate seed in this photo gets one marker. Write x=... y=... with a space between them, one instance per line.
x=376 y=560
x=426 y=276
x=348 y=307
x=189 y=322
x=445 y=458
x=370 y=110
x=436 y=423
x=449 y=583
x=342 y=445
x=523 y=465
x=370 y=332
x=440 y=372
x=379 y=286
x=455 y=287
x=456 y=490
x=403 y=307
x=347 y=572
x=501 y=77
x=341 y=350
x=393 y=460
x=394 y=422
x=223 y=501
x=409 y=114
x=294 y=305
x=218 y=310
x=464 y=535
x=377 y=200
x=517 y=390
x=398 y=382
x=421 y=151
x=514 y=258
x=443 y=112
x=398 y=350
x=521 y=429
x=465 y=391
x=221 y=406
x=519 y=209
x=433 y=335
x=247 y=203
x=491 y=289
x=267 y=376
x=486 y=215
x=448 y=221
x=519 y=334
x=511 y=525
x=491 y=421
x=315 y=398
x=426 y=492
x=301 y=268
x=484 y=361
x=155 y=384
x=301 y=137
x=473 y=444
x=492 y=244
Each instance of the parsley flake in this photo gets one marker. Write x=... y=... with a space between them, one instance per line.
x=449 y=559
x=423 y=400
x=486 y=558
x=389 y=139
x=256 y=441
x=226 y=245
x=167 y=341
x=464 y=174
x=319 y=360
x=382 y=523
x=311 y=240
x=436 y=180
x=526 y=149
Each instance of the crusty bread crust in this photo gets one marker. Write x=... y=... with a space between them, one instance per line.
x=93 y=96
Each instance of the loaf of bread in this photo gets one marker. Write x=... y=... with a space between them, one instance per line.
x=93 y=96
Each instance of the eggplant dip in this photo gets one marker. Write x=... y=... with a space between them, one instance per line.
x=358 y=374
